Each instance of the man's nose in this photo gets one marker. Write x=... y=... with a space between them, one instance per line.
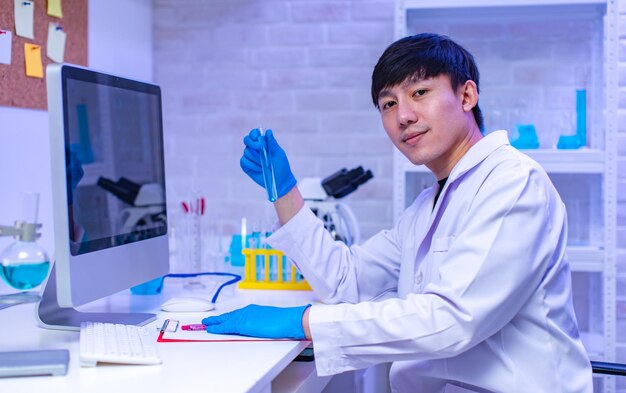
x=406 y=114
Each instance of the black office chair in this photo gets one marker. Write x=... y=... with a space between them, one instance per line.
x=608 y=368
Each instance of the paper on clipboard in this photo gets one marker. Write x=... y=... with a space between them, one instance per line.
x=178 y=335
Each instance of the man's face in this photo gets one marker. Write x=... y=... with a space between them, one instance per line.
x=429 y=122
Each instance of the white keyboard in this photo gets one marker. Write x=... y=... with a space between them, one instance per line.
x=116 y=343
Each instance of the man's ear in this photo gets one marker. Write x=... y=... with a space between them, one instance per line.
x=469 y=95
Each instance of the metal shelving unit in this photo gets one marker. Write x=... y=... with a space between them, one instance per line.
x=593 y=259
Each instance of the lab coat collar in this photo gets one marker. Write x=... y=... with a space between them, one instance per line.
x=474 y=156
x=477 y=153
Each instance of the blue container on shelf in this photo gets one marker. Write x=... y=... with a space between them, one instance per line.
x=568 y=142
x=527 y=138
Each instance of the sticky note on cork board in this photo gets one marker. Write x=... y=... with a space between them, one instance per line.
x=32 y=57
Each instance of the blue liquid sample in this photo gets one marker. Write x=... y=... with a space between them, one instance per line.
x=285 y=276
x=273 y=260
x=267 y=168
x=581 y=117
x=25 y=275
x=260 y=268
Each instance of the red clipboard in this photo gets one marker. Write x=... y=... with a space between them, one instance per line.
x=162 y=339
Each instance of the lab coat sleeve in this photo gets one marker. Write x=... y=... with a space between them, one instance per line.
x=336 y=272
x=513 y=232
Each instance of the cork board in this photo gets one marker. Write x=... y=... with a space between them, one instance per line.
x=19 y=90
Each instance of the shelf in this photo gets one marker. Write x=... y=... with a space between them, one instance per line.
x=568 y=161
x=429 y=4
x=583 y=161
x=586 y=259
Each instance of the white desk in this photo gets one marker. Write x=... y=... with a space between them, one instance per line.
x=210 y=367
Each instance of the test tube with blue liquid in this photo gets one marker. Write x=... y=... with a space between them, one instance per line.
x=273 y=260
x=255 y=243
x=267 y=167
x=286 y=269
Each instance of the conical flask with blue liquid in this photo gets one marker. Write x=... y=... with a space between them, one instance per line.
x=24 y=264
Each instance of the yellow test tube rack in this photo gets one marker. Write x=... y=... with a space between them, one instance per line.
x=263 y=255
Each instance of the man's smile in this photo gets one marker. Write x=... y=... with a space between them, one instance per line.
x=412 y=137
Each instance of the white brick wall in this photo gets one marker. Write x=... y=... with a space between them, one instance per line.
x=302 y=68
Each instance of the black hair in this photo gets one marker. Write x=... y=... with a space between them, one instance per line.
x=425 y=56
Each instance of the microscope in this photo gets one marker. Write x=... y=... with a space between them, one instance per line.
x=321 y=195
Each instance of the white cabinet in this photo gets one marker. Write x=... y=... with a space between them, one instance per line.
x=533 y=55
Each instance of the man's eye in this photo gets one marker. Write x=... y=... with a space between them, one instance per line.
x=419 y=92
x=388 y=104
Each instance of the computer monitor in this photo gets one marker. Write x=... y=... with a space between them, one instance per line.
x=108 y=192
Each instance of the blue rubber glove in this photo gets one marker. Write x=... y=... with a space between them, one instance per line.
x=259 y=321
x=251 y=161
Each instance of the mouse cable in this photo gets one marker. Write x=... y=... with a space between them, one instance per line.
x=235 y=278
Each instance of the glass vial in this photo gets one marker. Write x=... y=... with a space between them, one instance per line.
x=195 y=242
x=267 y=168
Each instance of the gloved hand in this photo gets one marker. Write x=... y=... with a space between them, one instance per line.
x=259 y=321
x=251 y=161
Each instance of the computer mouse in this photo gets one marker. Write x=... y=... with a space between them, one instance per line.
x=187 y=304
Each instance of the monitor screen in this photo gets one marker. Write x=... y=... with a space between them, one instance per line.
x=108 y=183
x=113 y=135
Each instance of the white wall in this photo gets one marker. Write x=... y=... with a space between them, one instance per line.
x=120 y=41
x=120 y=37
x=302 y=68
x=24 y=166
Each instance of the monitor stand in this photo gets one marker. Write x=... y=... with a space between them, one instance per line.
x=52 y=316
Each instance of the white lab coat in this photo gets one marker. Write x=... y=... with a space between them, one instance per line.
x=474 y=293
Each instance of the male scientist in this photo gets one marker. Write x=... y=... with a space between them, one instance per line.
x=471 y=287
